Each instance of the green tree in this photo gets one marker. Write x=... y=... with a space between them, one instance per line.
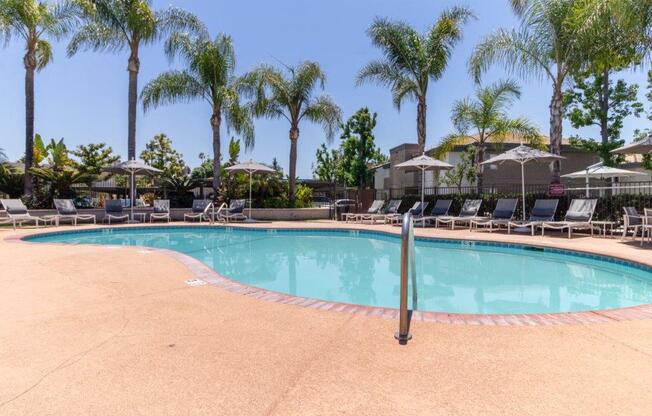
x=93 y=157
x=411 y=59
x=464 y=170
x=545 y=46
x=358 y=149
x=290 y=94
x=205 y=168
x=160 y=154
x=327 y=166
x=209 y=75
x=484 y=120
x=116 y=25
x=35 y=23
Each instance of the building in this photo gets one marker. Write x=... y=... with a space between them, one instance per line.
x=390 y=179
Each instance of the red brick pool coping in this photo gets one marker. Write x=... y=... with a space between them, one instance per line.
x=210 y=276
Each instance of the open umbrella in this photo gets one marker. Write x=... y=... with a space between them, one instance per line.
x=424 y=163
x=522 y=154
x=599 y=171
x=640 y=147
x=132 y=168
x=250 y=167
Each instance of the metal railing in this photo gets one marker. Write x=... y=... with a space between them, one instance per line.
x=408 y=266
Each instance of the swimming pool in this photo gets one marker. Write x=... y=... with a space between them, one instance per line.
x=362 y=267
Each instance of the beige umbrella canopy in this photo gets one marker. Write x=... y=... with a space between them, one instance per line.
x=132 y=168
x=250 y=167
x=522 y=154
x=424 y=163
x=640 y=147
x=599 y=171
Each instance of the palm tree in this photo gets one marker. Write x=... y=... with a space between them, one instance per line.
x=290 y=94
x=546 y=46
x=209 y=75
x=486 y=117
x=34 y=22
x=115 y=25
x=412 y=59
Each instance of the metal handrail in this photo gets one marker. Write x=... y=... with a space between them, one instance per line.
x=223 y=206
x=408 y=266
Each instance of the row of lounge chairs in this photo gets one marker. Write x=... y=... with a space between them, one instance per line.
x=18 y=214
x=578 y=217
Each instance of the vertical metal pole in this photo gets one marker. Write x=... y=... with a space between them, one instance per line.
x=523 y=187
x=403 y=335
x=250 y=173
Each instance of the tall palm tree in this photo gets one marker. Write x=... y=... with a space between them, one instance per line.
x=411 y=59
x=484 y=120
x=290 y=94
x=209 y=75
x=546 y=46
x=34 y=22
x=115 y=25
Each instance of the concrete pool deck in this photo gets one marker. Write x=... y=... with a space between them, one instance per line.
x=99 y=330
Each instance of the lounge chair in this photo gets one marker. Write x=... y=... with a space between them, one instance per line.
x=543 y=210
x=578 y=217
x=389 y=218
x=113 y=211
x=468 y=212
x=235 y=211
x=441 y=208
x=631 y=220
x=502 y=215
x=374 y=209
x=66 y=210
x=18 y=214
x=391 y=209
x=417 y=212
x=161 y=210
x=200 y=210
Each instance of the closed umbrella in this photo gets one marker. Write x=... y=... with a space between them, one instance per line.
x=424 y=163
x=523 y=154
x=132 y=168
x=250 y=167
x=599 y=171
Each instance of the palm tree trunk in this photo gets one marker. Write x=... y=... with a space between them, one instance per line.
x=133 y=67
x=30 y=65
x=421 y=123
x=604 y=107
x=294 y=137
x=556 y=115
x=479 y=168
x=216 y=121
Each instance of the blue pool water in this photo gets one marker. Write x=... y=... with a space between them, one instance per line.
x=363 y=268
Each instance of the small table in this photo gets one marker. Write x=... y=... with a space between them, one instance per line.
x=602 y=227
x=139 y=216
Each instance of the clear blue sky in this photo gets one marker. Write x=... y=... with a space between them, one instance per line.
x=84 y=99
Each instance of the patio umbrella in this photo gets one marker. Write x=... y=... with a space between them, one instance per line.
x=637 y=148
x=522 y=154
x=132 y=168
x=599 y=171
x=250 y=167
x=424 y=163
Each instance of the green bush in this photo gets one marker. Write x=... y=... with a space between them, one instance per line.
x=303 y=197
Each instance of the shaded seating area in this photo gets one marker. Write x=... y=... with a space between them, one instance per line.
x=113 y=211
x=18 y=214
x=441 y=208
x=66 y=211
x=469 y=211
x=161 y=210
x=200 y=211
x=578 y=217
x=543 y=210
x=500 y=217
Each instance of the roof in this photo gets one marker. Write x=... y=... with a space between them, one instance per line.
x=381 y=166
x=509 y=139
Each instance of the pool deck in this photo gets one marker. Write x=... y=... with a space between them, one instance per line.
x=106 y=331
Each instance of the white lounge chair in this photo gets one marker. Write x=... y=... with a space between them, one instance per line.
x=441 y=208
x=161 y=210
x=113 y=211
x=417 y=212
x=200 y=210
x=390 y=210
x=389 y=218
x=235 y=211
x=18 y=214
x=66 y=210
x=631 y=221
x=374 y=209
x=501 y=216
x=578 y=217
x=468 y=212
x=543 y=210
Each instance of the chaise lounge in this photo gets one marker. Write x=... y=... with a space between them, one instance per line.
x=468 y=212
x=441 y=208
x=543 y=210
x=161 y=210
x=18 y=214
x=199 y=210
x=113 y=211
x=66 y=210
x=501 y=216
x=578 y=217
x=235 y=211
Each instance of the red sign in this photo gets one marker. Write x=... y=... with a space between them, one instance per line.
x=556 y=189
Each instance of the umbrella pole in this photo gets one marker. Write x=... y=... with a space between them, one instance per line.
x=250 y=173
x=132 y=194
x=423 y=189
x=523 y=188
x=587 y=183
